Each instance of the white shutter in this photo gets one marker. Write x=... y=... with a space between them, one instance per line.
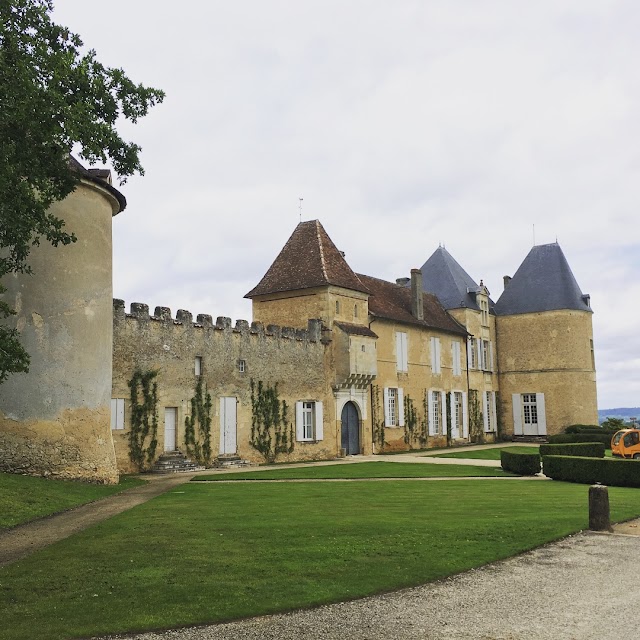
x=542 y=417
x=433 y=354
x=319 y=421
x=439 y=355
x=399 y=351
x=494 y=413
x=405 y=353
x=120 y=414
x=400 y=407
x=299 y=424
x=469 y=354
x=491 y=368
x=387 y=418
x=430 y=410
x=517 y=414
x=443 y=401
x=485 y=411
x=465 y=416
x=480 y=361
x=114 y=410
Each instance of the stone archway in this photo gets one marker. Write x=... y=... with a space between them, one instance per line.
x=350 y=430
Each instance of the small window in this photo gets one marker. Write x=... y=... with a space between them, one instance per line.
x=309 y=421
x=355 y=310
x=242 y=366
x=363 y=349
x=117 y=413
x=337 y=306
x=198 y=365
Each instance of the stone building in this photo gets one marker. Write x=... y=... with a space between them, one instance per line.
x=338 y=363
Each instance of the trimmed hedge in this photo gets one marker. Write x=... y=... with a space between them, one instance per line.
x=613 y=472
x=522 y=463
x=588 y=428
x=565 y=438
x=583 y=449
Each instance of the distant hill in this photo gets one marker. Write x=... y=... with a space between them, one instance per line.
x=619 y=412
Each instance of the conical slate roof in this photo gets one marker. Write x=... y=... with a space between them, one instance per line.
x=444 y=277
x=308 y=259
x=543 y=282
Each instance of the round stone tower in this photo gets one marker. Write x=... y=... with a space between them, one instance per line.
x=55 y=420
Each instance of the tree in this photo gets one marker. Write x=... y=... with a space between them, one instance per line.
x=53 y=98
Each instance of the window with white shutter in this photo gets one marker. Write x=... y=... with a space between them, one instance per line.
x=435 y=355
x=402 y=356
x=117 y=413
x=309 y=421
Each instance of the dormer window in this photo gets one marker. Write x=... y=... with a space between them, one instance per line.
x=484 y=311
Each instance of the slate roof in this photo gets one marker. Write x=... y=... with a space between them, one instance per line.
x=393 y=302
x=543 y=282
x=100 y=177
x=355 y=329
x=444 y=277
x=308 y=259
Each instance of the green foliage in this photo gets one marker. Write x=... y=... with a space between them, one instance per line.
x=448 y=412
x=377 y=418
x=613 y=472
x=53 y=98
x=416 y=428
x=270 y=434
x=198 y=441
x=584 y=449
x=585 y=428
x=614 y=424
x=476 y=425
x=13 y=357
x=524 y=464
x=564 y=438
x=144 y=418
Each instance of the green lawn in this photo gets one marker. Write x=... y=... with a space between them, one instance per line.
x=24 y=498
x=213 y=552
x=483 y=454
x=362 y=470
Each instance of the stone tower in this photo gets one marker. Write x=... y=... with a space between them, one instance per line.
x=545 y=347
x=55 y=420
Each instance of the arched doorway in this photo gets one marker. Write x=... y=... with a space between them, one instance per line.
x=350 y=429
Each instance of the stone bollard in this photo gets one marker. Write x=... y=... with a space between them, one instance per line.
x=599 y=508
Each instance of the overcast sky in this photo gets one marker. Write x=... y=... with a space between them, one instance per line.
x=480 y=125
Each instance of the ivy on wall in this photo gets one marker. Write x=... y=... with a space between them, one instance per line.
x=377 y=418
x=144 y=418
x=198 y=441
x=416 y=426
x=270 y=434
x=476 y=433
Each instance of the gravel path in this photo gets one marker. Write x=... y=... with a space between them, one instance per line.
x=568 y=590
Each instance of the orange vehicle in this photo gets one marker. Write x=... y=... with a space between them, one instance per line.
x=626 y=444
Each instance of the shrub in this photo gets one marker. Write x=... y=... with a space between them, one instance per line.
x=522 y=463
x=584 y=449
x=613 y=472
x=565 y=438
x=583 y=428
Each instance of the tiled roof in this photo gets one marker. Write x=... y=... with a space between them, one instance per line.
x=543 y=282
x=443 y=276
x=355 y=329
x=98 y=176
x=308 y=259
x=393 y=302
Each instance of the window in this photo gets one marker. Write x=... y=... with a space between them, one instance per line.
x=471 y=354
x=593 y=357
x=435 y=355
x=402 y=362
x=457 y=417
x=485 y=353
x=337 y=306
x=484 y=312
x=529 y=417
x=355 y=310
x=435 y=413
x=529 y=408
x=242 y=366
x=117 y=413
x=455 y=358
x=198 y=365
x=309 y=421
x=393 y=407
x=489 y=411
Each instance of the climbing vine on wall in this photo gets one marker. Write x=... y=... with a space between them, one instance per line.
x=448 y=405
x=198 y=440
x=416 y=427
x=499 y=422
x=476 y=433
x=377 y=418
x=144 y=418
x=270 y=434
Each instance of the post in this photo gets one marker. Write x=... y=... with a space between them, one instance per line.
x=599 y=508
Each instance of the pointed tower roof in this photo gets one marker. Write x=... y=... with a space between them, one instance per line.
x=543 y=282
x=444 y=277
x=308 y=259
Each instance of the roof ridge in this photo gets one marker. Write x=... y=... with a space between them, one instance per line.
x=323 y=262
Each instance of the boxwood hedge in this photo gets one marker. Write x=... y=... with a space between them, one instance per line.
x=565 y=438
x=614 y=472
x=522 y=463
x=584 y=449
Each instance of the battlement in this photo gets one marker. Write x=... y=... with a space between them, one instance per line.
x=139 y=311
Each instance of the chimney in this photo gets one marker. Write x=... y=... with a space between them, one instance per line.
x=403 y=282
x=506 y=280
x=417 y=305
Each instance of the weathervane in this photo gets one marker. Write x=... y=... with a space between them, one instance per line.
x=300 y=207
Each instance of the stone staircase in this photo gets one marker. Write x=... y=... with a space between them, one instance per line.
x=534 y=439
x=230 y=461
x=174 y=462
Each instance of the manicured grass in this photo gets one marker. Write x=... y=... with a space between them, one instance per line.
x=362 y=470
x=23 y=498
x=213 y=552
x=483 y=454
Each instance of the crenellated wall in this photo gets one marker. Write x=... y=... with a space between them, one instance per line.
x=295 y=359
